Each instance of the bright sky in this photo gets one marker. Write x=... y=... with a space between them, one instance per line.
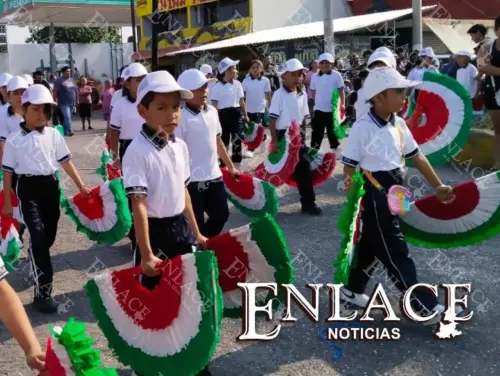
x=18 y=35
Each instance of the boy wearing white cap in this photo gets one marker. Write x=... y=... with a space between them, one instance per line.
x=209 y=74
x=37 y=187
x=229 y=99
x=156 y=176
x=322 y=85
x=289 y=104
x=378 y=145
x=4 y=80
x=426 y=56
x=468 y=74
x=201 y=130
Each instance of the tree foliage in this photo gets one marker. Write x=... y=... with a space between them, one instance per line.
x=75 y=35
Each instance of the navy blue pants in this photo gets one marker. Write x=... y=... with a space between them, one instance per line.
x=209 y=197
x=319 y=122
x=231 y=121
x=39 y=204
x=382 y=240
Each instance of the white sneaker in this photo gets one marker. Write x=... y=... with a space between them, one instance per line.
x=358 y=300
x=247 y=154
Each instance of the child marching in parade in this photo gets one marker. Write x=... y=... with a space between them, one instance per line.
x=4 y=81
x=156 y=176
x=34 y=153
x=228 y=98
x=201 y=130
x=322 y=85
x=289 y=104
x=378 y=145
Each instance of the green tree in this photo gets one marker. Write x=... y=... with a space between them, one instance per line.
x=75 y=35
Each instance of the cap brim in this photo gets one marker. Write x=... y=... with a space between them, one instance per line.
x=233 y=64
x=41 y=102
x=382 y=59
x=282 y=73
x=185 y=94
x=329 y=61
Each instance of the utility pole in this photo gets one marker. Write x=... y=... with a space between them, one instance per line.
x=417 y=25
x=154 y=36
x=134 y=27
x=329 y=31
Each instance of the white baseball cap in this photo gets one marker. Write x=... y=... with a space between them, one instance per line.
x=388 y=59
x=134 y=70
x=161 y=82
x=192 y=79
x=5 y=78
x=37 y=94
x=426 y=52
x=381 y=79
x=326 y=57
x=28 y=78
x=227 y=63
x=16 y=83
x=292 y=65
x=206 y=69
x=464 y=53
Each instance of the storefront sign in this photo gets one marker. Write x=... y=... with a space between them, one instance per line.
x=166 y=5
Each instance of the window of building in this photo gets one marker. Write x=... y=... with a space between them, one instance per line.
x=233 y=9
x=203 y=15
x=172 y=21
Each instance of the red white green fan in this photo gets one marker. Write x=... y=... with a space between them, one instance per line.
x=471 y=218
x=69 y=352
x=409 y=106
x=278 y=167
x=172 y=329
x=105 y=216
x=251 y=196
x=254 y=135
x=106 y=169
x=322 y=166
x=10 y=245
x=253 y=253
x=442 y=118
x=340 y=125
x=349 y=225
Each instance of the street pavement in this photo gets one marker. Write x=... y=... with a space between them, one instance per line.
x=298 y=351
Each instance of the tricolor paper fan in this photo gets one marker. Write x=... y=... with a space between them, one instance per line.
x=60 y=129
x=442 y=118
x=340 y=125
x=105 y=216
x=107 y=170
x=251 y=196
x=61 y=190
x=322 y=166
x=409 y=106
x=10 y=245
x=69 y=352
x=253 y=253
x=253 y=136
x=471 y=218
x=177 y=325
x=349 y=225
x=278 y=167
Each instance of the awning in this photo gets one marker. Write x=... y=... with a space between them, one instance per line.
x=453 y=33
x=309 y=30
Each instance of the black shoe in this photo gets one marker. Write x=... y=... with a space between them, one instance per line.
x=70 y=134
x=45 y=304
x=312 y=209
x=90 y=128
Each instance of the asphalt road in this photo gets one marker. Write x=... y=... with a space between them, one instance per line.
x=298 y=351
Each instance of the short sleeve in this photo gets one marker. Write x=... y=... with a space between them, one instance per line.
x=473 y=71
x=134 y=169
x=411 y=148
x=187 y=170
x=267 y=87
x=275 y=108
x=9 y=162
x=240 y=93
x=218 y=125
x=353 y=153
x=3 y=126
x=57 y=84
x=214 y=95
x=313 y=82
x=3 y=270
x=115 y=121
x=62 y=151
x=339 y=81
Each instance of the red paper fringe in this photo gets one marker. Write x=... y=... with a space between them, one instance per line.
x=243 y=187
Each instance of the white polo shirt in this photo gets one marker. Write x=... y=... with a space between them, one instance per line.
x=227 y=94
x=362 y=105
x=375 y=144
x=467 y=77
x=323 y=84
x=30 y=152
x=3 y=270
x=125 y=118
x=116 y=97
x=9 y=123
x=200 y=131
x=211 y=84
x=255 y=93
x=287 y=106
x=159 y=170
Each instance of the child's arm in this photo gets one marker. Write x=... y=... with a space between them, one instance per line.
x=188 y=211
x=14 y=317
x=72 y=172
x=244 y=110
x=114 y=128
x=222 y=152
x=349 y=172
x=274 y=135
x=274 y=114
x=443 y=192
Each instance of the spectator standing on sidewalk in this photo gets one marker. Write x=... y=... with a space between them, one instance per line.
x=65 y=94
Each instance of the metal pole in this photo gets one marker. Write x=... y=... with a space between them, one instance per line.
x=52 y=46
x=154 y=37
x=329 y=41
x=417 y=25
x=134 y=28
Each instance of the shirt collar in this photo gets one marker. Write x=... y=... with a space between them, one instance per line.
x=193 y=110
x=379 y=121
x=253 y=78
x=25 y=130
x=299 y=91
x=321 y=73
x=152 y=136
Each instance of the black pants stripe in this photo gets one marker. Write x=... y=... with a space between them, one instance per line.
x=319 y=122
x=231 y=121
x=124 y=144
x=209 y=197
x=382 y=239
x=303 y=174
x=39 y=205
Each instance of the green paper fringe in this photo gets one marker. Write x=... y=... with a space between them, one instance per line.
x=340 y=130
x=346 y=224
x=60 y=129
x=187 y=362
x=84 y=359
x=101 y=170
x=11 y=258
x=271 y=207
x=124 y=219
x=61 y=190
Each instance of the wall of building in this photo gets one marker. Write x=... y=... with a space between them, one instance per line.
x=98 y=60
